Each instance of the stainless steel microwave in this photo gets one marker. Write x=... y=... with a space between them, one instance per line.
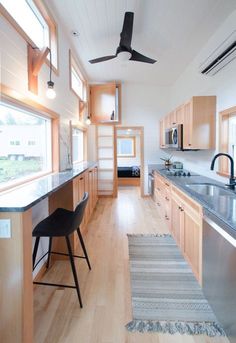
x=174 y=137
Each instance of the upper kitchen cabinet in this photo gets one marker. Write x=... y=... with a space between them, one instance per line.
x=198 y=119
x=199 y=115
x=162 y=133
x=105 y=103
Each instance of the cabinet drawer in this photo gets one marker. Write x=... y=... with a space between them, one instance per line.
x=186 y=201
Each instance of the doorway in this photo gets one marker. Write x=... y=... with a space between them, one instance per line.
x=129 y=158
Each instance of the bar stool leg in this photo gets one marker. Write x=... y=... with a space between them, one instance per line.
x=49 y=252
x=83 y=247
x=73 y=269
x=36 y=245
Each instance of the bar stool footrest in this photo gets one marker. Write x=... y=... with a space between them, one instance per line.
x=64 y=254
x=52 y=284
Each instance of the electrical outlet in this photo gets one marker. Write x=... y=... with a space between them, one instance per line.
x=5 y=228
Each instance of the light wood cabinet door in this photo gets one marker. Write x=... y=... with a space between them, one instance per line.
x=192 y=242
x=95 y=185
x=173 y=118
x=90 y=191
x=198 y=117
x=187 y=125
x=167 y=121
x=104 y=103
x=176 y=220
x=180 y=115
x=162 y=134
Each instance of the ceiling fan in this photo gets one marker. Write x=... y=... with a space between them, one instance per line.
x=125 y=44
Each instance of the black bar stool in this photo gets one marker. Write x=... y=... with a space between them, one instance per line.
x=61 y=223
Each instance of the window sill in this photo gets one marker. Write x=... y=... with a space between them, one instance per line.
x=19 y=183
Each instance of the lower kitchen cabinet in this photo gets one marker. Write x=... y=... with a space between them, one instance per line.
x=186 y=226
x=85 y=182
x=192 y=245
x=175 y=220
x=183 y=216
x=162 y=192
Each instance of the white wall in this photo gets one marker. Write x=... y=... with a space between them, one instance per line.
x=131 y=161
x=223 y=85
x=13 y=73
x=143 y=105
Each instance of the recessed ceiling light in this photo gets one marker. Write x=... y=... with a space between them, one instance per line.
x=75 y=33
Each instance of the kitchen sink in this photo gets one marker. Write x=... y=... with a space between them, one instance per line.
x=209 y=189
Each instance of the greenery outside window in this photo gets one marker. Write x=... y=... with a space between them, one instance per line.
x=26 y=145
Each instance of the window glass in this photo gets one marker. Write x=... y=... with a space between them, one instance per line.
x=125 y=147
x=77 y=84
x=28 y=17
x=78 y=145
x=34 y=19
x=25 y=141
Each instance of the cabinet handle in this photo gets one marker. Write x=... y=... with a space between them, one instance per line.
x=189 y=144
x=81 y=178
x=167 y=184
x=90 y=171
x=181 y=209
x=173 y=123
x=158 y=204
x=167 y=218
x=158 y=189
x=167 y=199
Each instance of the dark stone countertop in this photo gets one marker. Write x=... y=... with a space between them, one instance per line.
x=219 y=208
x=22 y=198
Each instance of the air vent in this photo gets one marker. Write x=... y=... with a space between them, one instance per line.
x=222 y=56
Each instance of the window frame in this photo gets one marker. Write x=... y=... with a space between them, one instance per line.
x=133 y=138
x=224 y=118
x=53 y=31
x=8 y=95
x=82 y=102
x=85 y=140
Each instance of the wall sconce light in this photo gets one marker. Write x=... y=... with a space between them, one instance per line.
x=50 y=93
x=88 y=120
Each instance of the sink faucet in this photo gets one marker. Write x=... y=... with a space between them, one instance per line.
x=232 y=181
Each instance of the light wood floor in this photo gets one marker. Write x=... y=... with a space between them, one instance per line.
x=106 y=289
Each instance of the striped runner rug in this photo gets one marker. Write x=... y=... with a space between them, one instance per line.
x=166 y=297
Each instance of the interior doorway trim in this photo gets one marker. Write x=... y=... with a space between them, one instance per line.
x=141 y=130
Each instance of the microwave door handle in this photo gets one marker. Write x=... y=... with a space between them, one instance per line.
x=172 y=138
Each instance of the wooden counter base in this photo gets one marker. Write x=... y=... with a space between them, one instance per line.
x=16 y=278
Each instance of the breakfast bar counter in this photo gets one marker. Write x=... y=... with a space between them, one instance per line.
x=64 y=189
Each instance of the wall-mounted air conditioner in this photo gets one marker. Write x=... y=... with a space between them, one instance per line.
x=220 y=57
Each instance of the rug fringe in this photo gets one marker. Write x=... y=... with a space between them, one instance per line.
x=148 y=235
x=199 y=328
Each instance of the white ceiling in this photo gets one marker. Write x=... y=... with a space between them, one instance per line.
x=171 y=31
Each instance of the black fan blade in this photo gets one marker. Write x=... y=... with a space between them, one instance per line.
x=127 y=30
x=136 y=56
x=102 y=59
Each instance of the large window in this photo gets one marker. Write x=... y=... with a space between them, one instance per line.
x=32 y=19
x=126 y=146
x=77 y=145
x=25 y=141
